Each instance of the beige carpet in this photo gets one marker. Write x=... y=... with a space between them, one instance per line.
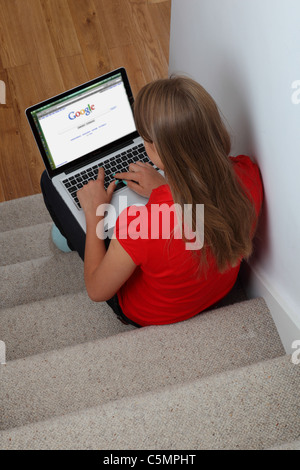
x=77 y=378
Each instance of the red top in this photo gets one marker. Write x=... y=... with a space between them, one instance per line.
x=166 y=287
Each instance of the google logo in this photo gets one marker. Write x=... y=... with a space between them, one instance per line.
x=86 y=112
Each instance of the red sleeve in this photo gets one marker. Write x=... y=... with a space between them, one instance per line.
x=131 y=231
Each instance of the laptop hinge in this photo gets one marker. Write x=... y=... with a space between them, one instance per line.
x=100 y=155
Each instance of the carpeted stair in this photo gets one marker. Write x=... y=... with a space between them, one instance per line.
x=77 y=378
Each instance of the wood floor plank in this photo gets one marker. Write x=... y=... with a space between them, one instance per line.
x=127 y=57
x=114 y=16
x=15 y=178
x=162 y=28
x=13 y=51
x=24 y=93
x=165 y=8
x=1 y=63
x=2 y=195
x=61 y=27
x=140 y=2
x=91 y=37
x=73 y=71
x=43 y=58
x=29 y=23
x=156 y=1
x=150 y=53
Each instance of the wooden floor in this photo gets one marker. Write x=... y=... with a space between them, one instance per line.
x=48 y=46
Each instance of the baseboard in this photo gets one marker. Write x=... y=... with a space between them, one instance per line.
x=287 y=324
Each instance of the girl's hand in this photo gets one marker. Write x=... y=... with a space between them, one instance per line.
x=142 y=178
x=92 y=194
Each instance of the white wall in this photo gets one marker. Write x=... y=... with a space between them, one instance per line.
x=246 y=53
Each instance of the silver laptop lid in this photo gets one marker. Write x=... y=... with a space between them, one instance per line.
x=84 y=123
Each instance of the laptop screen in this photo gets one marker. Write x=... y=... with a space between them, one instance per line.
x=84 y=120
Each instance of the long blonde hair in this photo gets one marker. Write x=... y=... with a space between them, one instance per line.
x=181 y=118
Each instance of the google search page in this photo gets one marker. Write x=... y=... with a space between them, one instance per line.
x=87 y=124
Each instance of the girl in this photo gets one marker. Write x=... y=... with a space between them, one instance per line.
x=149 y=279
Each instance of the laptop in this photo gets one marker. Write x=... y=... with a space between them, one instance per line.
x=85 y=128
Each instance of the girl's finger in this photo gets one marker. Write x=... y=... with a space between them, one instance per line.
x=111 y=188
x=128 y=176
x=100 y=174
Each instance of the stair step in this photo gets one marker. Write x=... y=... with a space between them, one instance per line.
x=23 y=212
x=294 y=445
x=56 y=323
x=254 y=407
x=142 y=360
x=26 y=243
x=40 y=278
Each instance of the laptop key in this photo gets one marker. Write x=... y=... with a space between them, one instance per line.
x=72 y=189
x=120 y=185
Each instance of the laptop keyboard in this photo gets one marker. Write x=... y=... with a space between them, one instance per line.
x=116 y=164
